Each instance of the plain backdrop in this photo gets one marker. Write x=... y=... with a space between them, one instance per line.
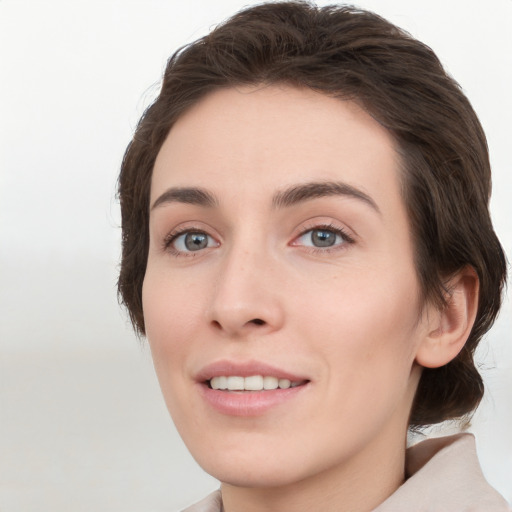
x=82 y=423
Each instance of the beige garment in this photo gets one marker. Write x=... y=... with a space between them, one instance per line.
x=443 y=476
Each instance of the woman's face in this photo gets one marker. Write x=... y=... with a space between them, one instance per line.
x=280 y=252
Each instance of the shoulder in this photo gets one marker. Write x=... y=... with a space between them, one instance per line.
x=212 y=503
x=443 y=474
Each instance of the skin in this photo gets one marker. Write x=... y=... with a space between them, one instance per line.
x=348 y=317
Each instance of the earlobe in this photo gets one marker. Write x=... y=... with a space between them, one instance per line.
x=449 y=327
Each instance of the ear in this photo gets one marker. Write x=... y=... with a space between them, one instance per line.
x=449 y=328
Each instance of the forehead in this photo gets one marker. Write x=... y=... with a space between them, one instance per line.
x=259 y=139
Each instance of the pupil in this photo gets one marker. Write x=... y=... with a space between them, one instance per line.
x=196 y=241
x=322 y=238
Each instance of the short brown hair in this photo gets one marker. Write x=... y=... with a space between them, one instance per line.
x=356 y=55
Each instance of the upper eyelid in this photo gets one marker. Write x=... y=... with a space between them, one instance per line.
x=177 y=232
x=327 y=224
x=326 y=227
x=192 y=226
x=346 y=238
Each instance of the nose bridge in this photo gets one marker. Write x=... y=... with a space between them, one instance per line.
x=246 y=293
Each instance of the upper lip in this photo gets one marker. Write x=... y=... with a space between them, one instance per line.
x=245 y=369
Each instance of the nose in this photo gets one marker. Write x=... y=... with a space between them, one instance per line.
x=247 y=296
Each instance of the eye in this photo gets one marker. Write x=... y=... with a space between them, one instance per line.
x=190 y=241
x=323 y=237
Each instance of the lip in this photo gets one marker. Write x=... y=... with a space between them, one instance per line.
x=247 y=403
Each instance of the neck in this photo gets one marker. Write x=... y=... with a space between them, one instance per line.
x=360 y=484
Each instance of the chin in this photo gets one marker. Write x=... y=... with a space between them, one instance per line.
x=252 y=468
x=253 y=476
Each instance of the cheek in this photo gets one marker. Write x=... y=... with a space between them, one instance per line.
x=367 y=328
x=171 y=317
x=170 y=302
x=171 y=313
x=368 y=345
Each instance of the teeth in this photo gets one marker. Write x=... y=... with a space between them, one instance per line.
x=222 y=382
x=236 y=383
x=252 y=383
x=270 y=383
x=284 y=383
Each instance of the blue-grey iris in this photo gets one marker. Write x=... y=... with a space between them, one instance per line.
x=322 y=238
x=196 y=241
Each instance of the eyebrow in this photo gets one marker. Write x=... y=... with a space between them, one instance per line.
x=308 y=191
x=188 y=195
x=283 y=199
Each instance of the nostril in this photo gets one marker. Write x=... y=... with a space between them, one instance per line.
x=232 y=325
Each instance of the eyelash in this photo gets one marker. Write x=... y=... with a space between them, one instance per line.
x=347 y=239
x=174 y=235
x=337 y=230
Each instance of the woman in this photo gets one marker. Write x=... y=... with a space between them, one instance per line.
x=308 y=249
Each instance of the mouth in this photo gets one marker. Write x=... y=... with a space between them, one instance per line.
x=251 y=383
x=249 y=388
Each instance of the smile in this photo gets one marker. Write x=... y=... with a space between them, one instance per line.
x=249 y=388
x=251 y=383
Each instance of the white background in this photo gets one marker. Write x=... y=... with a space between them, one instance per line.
x=82 y=423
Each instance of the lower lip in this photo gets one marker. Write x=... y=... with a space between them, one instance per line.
x=248 y=403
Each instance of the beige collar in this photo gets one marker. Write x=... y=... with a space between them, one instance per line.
x=443 y=474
